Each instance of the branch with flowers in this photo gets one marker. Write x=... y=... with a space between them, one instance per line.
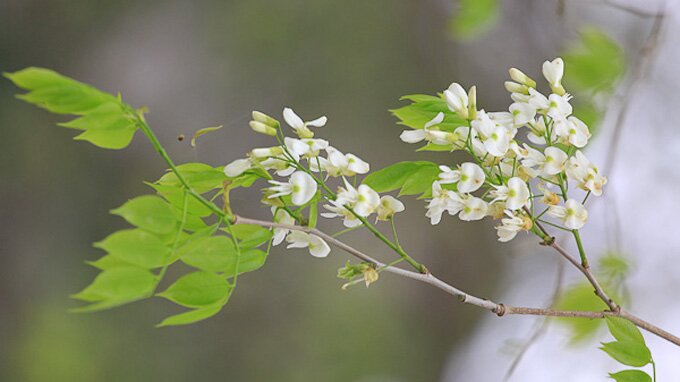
x=526 y=185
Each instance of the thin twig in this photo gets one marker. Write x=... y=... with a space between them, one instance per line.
x=497 y=308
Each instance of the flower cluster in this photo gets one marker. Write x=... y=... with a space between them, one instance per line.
x=306 y=170
x=503 y=169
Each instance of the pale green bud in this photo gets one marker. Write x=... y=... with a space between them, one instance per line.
x=264 y=118
x=472 y=103
x=266 y=152
x=514 y=87
x=261 y=128
x=519 y=76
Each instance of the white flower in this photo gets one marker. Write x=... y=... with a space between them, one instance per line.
x=469 y=177
x=389 y=206
x=367 y=201
x=474 y=208
x=574 y=131
x=300 y=126
x=550 y=163
x=522 y=113
x=279 y=163
x=237 y=167
x=457 y=100
x=442 y=200
x=537 y=132
x=431 y=135
x=553 y=72
x=317 y=246
x=338 y=164
x=509 y=227
x=301 y=186
x=555 y=106
x=580 y=169
x=281 y=216
x=307 y=147
x=573 y=214
x=498 y=142
x=349 y=219
x=515 y=194
x=362 y=200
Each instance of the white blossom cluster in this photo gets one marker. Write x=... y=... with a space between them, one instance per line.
x=504 y=169
x=300 y=161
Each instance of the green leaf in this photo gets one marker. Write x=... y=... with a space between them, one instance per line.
x=136 y=247
x=213 y=253
x=191 y=316
x=421 y=181
x=148 y=212
x=410 y=175
x=174 y=194
x=437 y=148
x=416 y=115
x=57 y=93
x=628 y=353
x=106 y=126
x=596 y=63
x=203 y=131
x=624 y=330
x=250 y=235
x=473 y=18
x=580 y=297
x=197 y=289
x=200 y=176
x=117 y=286
x=631 y=376
x=109 y=261
x=251 y=259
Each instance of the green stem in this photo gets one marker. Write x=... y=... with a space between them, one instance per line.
x=581 y=251
x=175 y=243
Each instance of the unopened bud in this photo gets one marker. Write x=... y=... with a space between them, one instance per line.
x=266 y=152
x=518 y=76
x=267 y=120
x=558 y=89
x=472 y=103
x=261 y=128
x=514 y=87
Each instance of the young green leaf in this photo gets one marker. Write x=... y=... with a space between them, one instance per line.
x=624 y=330
x=473 y=18
x=200 y=176
x=251 y=259
x=213 y=253
x=191 y=316
x=109 y=261
x=397 y=175
x=580 y=297
x=197 y=289
x=136 y=247
x=203 y=131
x=631 y=376
x=117 y=286
x=250 y=235
x=628 y=353
x=148 y=212
x=174 y=194
x=57 y=93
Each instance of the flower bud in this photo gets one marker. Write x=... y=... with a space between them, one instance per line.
x=264 y=118
x=518 y=76
x=266 y=152
x=261 y=128
x=514 y=87
x=472 y=103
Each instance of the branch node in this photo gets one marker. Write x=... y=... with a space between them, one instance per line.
x=500 y=310
x=548 y=241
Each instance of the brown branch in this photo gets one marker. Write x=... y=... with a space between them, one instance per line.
x=499 y=309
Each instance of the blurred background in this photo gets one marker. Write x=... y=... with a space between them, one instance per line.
x=205 y=63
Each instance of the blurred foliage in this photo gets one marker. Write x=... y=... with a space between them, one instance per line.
x=594 y=64
x=612 y=271
x=473 y=18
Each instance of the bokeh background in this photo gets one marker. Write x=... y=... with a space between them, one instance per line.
x=204 y=63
